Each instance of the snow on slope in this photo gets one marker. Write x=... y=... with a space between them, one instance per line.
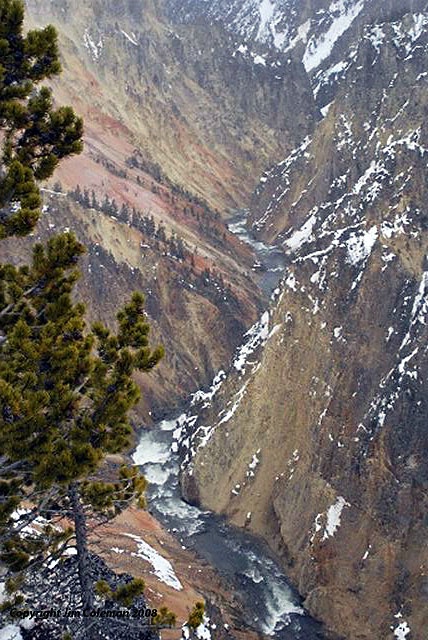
x=267 y=12
x=380 y=162
x=320 y=47
x=10 y=632
x=162 y=568
x=191 y=440
x=283 y=24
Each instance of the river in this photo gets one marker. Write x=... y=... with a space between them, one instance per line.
x=270 y=604
x=270 y=259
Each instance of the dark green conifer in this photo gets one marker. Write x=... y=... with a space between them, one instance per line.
x=165 y=618
x=196 y=616
x=94 y=203
x=36 y=136
x=65 y=388
x=65 y=393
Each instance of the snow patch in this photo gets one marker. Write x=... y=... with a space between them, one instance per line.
x=162 y=568
x=320 y=48
x=333 y=522
x=266 y=10
x=232 y=411
x=402 y=631
x=259 y=60
x=253 y=464
x=337 y=332
x=131 y=38
x=203 y=632
x=326 y=109
x=95 y=48
x=419 y=310
x=333 y=517
x=360 y=245
x=10 y=632
x=256 y=336
x=302 y=36
x=207 y=396
x=302 y=235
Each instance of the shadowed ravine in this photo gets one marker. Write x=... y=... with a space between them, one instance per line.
x=270 y=604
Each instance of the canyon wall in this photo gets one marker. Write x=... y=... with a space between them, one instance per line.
x=317 y=438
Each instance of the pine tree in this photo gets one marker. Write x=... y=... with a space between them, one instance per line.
x=65 y=392
x=125 y=214
x=161 y=233
x=36 y=136
x=94 y=203
x=196 y=616
x=195 y=619
x=105 y=207
x=86 y=199
x=165 y=618
x=76 y=194
x=113 y=208
x=65 y=388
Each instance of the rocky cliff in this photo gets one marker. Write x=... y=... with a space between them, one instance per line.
x=208 y=113
x=315 y=32
x=317 y=437
x=179 y=124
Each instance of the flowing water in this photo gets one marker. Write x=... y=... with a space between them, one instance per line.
x=270 y=259
x=270 y=604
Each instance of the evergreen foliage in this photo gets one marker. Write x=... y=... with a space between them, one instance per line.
x=165 y=618
x=65 y=391
x=196 y=616
x=65 y=388
x=174 y=245
x=35 y=135
x=124 y=594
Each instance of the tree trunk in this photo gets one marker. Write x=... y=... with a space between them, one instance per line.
x=83 y=558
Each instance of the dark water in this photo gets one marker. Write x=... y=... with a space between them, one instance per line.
x=270 y=261
x=270 y=604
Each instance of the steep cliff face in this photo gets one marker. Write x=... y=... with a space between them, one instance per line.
x=313 y=31
x=376 y=91
x=307 y=29
x=210 y=115
x=191 y=299
x=179 y=124
x=317 y=438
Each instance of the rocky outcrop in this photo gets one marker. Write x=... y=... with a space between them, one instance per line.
x=317 y=438
x=315 y=32
x=377 y=91
x=183 y=296
x=210 y=115
x=179 y=123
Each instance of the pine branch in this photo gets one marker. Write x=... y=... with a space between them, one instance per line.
x=4 y=470
x=32 y=516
